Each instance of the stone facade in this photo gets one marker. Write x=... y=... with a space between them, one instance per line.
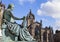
x=2 y=7
x=37 y=31
x=57 y=36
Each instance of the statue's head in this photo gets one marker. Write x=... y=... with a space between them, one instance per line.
x=10 y=6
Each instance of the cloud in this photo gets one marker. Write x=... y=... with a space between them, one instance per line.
x=57 y=23
x=39 y=12
x=24 y=1
x=51 y=8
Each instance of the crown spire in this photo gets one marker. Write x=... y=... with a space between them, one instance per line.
x=30 y=11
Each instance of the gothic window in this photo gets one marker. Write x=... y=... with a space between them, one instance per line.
x=31 y=17
x=37 y=32
x=44 y=36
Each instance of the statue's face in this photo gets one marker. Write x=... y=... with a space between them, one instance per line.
x=11 y=6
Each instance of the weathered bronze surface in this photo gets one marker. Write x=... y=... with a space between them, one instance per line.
x=11 y=30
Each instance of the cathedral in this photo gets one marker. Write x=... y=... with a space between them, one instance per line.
x=37 y=31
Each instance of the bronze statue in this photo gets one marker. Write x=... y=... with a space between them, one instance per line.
x=11 y=30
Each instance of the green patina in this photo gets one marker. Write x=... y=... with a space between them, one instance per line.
x=11 y=30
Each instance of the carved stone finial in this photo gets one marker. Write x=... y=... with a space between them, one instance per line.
x=30 y=11
x=41 y=22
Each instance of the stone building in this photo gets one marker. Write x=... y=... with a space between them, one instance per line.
x=57 y=36
x=47 y=34
x=37 y=31
x=2 y=7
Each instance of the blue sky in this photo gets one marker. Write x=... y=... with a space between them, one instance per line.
x=44 y=10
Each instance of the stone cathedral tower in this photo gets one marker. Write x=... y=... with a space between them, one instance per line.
x=30 y=18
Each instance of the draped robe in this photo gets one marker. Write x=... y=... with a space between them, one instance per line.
x=11 y=30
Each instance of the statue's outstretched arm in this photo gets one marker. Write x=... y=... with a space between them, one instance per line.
x=15 y=17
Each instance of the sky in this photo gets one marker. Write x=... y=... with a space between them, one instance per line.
x=46 y=10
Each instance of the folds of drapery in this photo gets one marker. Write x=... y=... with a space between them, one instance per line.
x=15 y=29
